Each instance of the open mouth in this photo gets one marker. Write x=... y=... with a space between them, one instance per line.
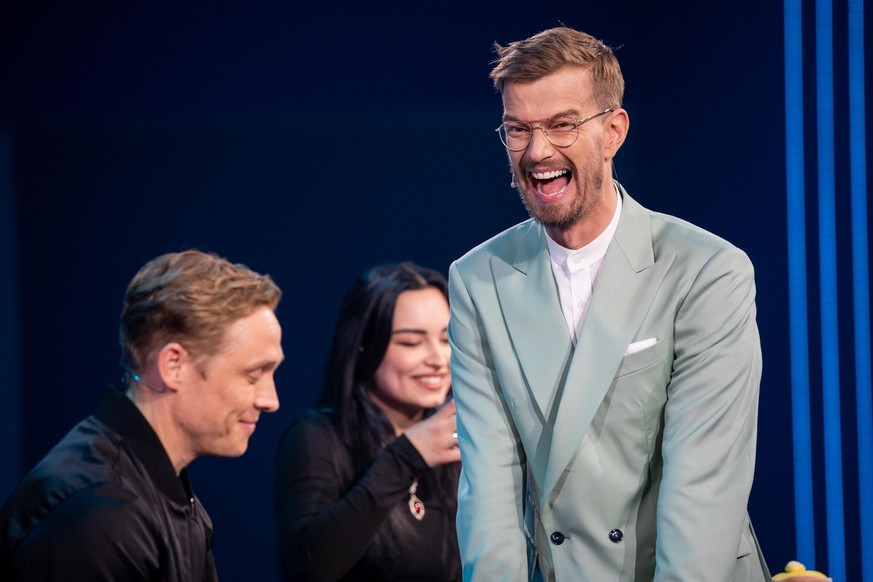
x=550 y=184
x=433 y=382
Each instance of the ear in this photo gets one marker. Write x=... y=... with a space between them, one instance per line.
x=171 y=363
x=616 y=131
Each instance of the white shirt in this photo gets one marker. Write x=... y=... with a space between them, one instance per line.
x=576 y=271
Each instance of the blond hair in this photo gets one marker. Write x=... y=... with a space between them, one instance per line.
x=533 y=58
x=189 y=297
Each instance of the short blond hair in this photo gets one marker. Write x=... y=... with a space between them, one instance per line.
x=533 y=58
x=189 y=297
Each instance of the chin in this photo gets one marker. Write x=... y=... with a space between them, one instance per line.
x=237 y=450
x=435 y=401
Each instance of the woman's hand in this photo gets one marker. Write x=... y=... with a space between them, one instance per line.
x=436 y=437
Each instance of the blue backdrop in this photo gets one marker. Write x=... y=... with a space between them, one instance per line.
x=311 y=140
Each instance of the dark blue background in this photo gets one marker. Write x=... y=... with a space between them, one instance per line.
x=311 y=140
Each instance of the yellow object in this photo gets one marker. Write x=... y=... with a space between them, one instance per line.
x=794 y=568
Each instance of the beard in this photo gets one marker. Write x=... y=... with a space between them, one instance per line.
x=587 y=186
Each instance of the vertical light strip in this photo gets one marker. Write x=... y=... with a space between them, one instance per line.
x=797 y=300
x=827 y=240
x=860 y=277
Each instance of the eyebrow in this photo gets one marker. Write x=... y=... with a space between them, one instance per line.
x=265 y=365
x=567 y=113
x=412 y=330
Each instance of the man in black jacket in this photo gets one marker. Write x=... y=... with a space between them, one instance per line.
x=112 y=501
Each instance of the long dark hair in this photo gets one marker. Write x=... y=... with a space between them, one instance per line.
x=360 y=340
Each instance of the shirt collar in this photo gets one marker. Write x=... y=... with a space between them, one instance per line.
x=574 y=260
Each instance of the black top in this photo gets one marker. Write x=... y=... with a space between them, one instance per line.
x=329 y=513
x=106 y=504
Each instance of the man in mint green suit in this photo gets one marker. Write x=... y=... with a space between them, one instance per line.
x=605 y=358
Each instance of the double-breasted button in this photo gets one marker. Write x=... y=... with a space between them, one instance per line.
x=615 y=536
x=557 y=538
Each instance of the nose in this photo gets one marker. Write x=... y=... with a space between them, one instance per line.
x=438 y=354
x=266 y=398
x=539 y=148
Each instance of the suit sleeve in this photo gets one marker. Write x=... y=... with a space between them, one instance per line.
x=710 y=424
x=490 y=497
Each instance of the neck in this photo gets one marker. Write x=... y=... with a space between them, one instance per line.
x=400 y=419
x=154 y=406
x=592 y=223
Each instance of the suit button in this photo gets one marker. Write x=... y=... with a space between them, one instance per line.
x=557 y=538
x=615 y=536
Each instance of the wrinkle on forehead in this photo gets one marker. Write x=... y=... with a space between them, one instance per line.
x=568 y=89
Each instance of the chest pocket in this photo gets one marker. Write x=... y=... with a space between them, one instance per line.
x=642 y=359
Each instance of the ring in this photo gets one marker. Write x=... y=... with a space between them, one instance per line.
x=455 y=435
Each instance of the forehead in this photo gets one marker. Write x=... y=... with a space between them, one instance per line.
x=257 y=335
x=421 y=308
x=565 y=90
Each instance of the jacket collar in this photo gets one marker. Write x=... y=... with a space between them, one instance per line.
x=122 y=416
x=529 y=300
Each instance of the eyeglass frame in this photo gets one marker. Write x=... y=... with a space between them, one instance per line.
x=576 y=122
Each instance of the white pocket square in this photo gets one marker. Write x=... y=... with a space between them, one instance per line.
x=640 y=345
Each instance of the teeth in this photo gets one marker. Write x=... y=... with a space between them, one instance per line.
x=430 y=379
x=548 y=175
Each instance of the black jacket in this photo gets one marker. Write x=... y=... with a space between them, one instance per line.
x=329 y=512
x=106 y=504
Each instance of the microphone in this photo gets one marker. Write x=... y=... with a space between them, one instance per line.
x=138 y=379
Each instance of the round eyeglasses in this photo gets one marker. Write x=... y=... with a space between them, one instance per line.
x=561 y=131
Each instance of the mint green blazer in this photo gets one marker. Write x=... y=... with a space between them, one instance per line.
x=629 y=456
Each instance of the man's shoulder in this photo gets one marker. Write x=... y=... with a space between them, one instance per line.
x=669 y=231
x=88 y=454
x=674 y=236
x=696 y=248
x=672 y=230
x=505 y=245
x=78 y=483
x=73 y=506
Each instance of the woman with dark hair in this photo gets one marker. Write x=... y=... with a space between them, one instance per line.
x=366 y=484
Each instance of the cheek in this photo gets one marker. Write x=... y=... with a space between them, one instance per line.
x=390 y=373
x=233 y=398
x=387 y=378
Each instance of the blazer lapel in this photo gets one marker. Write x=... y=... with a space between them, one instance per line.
x=529 y=301
x=622 y=294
